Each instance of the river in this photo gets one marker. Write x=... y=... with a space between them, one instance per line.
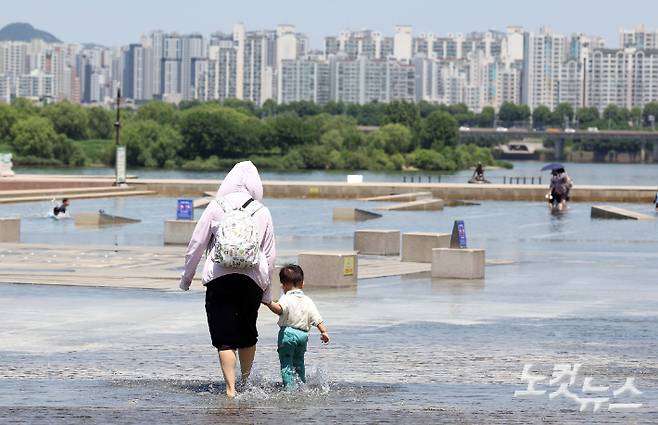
x=581 y=173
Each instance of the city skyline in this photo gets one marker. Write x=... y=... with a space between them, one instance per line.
x=478 y=69
x=126 y=20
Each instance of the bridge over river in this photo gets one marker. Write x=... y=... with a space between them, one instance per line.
x=558 y=137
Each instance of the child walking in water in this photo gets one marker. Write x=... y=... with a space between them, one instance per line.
x=297 y=314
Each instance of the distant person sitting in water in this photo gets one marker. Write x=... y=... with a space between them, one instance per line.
x=61 y=209
x=297 y=314
x=478 y=174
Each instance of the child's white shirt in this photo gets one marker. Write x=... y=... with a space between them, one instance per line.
x=299 y=311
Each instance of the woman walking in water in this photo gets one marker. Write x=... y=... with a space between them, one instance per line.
x=235 y=231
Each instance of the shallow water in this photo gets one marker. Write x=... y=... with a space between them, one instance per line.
x=308 y=224
x=410 y=349
x=560 y=289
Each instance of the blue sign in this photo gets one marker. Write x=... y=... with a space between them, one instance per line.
x=461 y=233
x=185 y=210
x=458 y=238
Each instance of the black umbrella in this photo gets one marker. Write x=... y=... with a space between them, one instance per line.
x=552 y=166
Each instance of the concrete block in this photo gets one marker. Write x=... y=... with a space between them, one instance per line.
x=399 y=197
x=459 y=203
x=419 y=205
x=329 y=269
x=417 y=246
x=458 y=263
x=202 y=202
x=354 y=214
x=604 y=211
x=10 y=229
x=377 y=242
x=100 y=219
x=178 y=232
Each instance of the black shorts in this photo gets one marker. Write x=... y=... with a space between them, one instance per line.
x=557 y=198
x=232 y=303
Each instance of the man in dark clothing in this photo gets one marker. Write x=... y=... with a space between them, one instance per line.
x=61 y=209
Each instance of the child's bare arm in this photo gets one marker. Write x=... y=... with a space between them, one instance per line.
x=275 y=308
x=324 y=333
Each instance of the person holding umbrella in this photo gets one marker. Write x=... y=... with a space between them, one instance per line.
x=560 y=186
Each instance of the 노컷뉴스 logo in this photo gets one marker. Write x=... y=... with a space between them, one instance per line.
x=593 y=396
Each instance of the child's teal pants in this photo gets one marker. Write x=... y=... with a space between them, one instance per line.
x=292 y=346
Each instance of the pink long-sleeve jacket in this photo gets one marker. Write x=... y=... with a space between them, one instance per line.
x=241 y=183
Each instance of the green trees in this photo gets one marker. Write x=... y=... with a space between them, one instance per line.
x=286 y=131
x=150 y=144
x=158 y=111
x=450 y=159
x=427 y=159
x=541 y=116
x=24 y=107
x=511 y=114
x=650 y=110
x=439 y=129
x=68 y=119
x=588 y=117
x=425 y=108
x=303 y=108
x=34 y=136
x=392 y=139
x=8 y=117
x=461 y=113
x=68 y=153
x=563 y=115
x=210 y=135
x=615 y=117
x=269 y=108
x=486 y=117
x=635 y=116
x=401 y=112
x=372 y=113
x=334 y=108
x=214 y=130
x=100 y=123
x=246 y=106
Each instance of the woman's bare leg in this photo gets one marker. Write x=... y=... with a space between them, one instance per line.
x=227 y=361
x=246 y=355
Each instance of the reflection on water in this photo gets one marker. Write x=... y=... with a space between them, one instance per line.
x=456 y=286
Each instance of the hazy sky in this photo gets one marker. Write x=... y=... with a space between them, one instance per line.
x=116 y=22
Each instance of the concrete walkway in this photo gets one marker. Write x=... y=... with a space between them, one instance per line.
x=446 y=191
x=134 y=267
x=341 y=190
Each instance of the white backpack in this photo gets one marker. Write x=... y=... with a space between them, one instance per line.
x=237 y=244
